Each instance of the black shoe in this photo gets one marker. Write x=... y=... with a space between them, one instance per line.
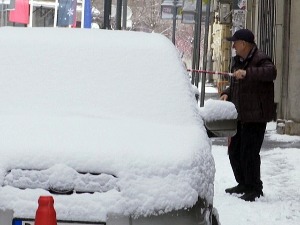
x=252 y=195
x=239 y=189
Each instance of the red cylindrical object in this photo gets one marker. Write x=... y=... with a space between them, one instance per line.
x=45 y=214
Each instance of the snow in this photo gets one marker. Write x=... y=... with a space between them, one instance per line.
x=280 y=173
x=62 y=133
x=218 y=110
x=98 y=101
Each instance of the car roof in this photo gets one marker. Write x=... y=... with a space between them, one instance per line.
x=89 y=72
x=99 y=101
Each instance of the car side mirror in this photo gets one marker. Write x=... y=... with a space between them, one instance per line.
x=220 y=118
x=221 y=128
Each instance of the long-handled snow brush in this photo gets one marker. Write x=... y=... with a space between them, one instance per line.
x=210 y=72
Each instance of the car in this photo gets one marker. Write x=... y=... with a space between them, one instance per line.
x=106 y=122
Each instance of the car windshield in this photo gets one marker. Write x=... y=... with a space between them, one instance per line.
x=114 y=103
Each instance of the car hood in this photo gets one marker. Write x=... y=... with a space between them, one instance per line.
x=59 y=147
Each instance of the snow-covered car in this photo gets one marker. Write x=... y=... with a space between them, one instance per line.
x=107 y=123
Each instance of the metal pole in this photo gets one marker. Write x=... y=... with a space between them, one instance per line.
x=118 y=14
x=195 y=49
x=124 y=14
x=203 y=80
x=174 y=20
x=2 y=11
x=82 y=13
x=285 y=62
x=55 y=13
x=107 y=12
x=272 y=39
x=197 y=40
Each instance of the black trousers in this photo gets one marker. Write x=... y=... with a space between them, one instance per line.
x=243 y=151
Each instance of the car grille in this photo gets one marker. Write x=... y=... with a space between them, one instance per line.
x=61 y=180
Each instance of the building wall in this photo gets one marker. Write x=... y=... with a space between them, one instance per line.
x=287 y=49
x=288 y=64
x=221 y=52
x=294 y=63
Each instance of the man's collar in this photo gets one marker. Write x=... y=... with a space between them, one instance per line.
x=251 y=53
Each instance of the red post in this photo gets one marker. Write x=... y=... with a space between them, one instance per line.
x=45 y=214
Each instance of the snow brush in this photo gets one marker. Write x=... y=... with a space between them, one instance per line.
x=210 y=72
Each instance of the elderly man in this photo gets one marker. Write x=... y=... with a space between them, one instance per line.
x=252 y=92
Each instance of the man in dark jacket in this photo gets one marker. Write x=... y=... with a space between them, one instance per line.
x=252 y=92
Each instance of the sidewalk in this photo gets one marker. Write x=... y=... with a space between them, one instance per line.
x=280 y=175
x=272 y=139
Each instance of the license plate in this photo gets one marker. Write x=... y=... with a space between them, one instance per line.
x=31 y=222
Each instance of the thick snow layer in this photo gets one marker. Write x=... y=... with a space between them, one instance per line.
x=113 y=102
x=280 y=173
x=218 y=110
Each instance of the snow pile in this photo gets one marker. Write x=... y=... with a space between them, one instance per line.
x=218 y=110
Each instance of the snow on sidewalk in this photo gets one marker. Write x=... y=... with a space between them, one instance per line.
x=280 y=171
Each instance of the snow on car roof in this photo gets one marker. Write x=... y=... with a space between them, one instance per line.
x=99 y=101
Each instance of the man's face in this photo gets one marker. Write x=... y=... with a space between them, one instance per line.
x=239 y=47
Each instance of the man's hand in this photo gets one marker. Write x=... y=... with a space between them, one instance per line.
x=224 y=97
x=239 y=74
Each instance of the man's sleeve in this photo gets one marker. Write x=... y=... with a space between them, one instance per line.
x=264 y=70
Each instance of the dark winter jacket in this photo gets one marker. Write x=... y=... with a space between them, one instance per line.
x=253 y=96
